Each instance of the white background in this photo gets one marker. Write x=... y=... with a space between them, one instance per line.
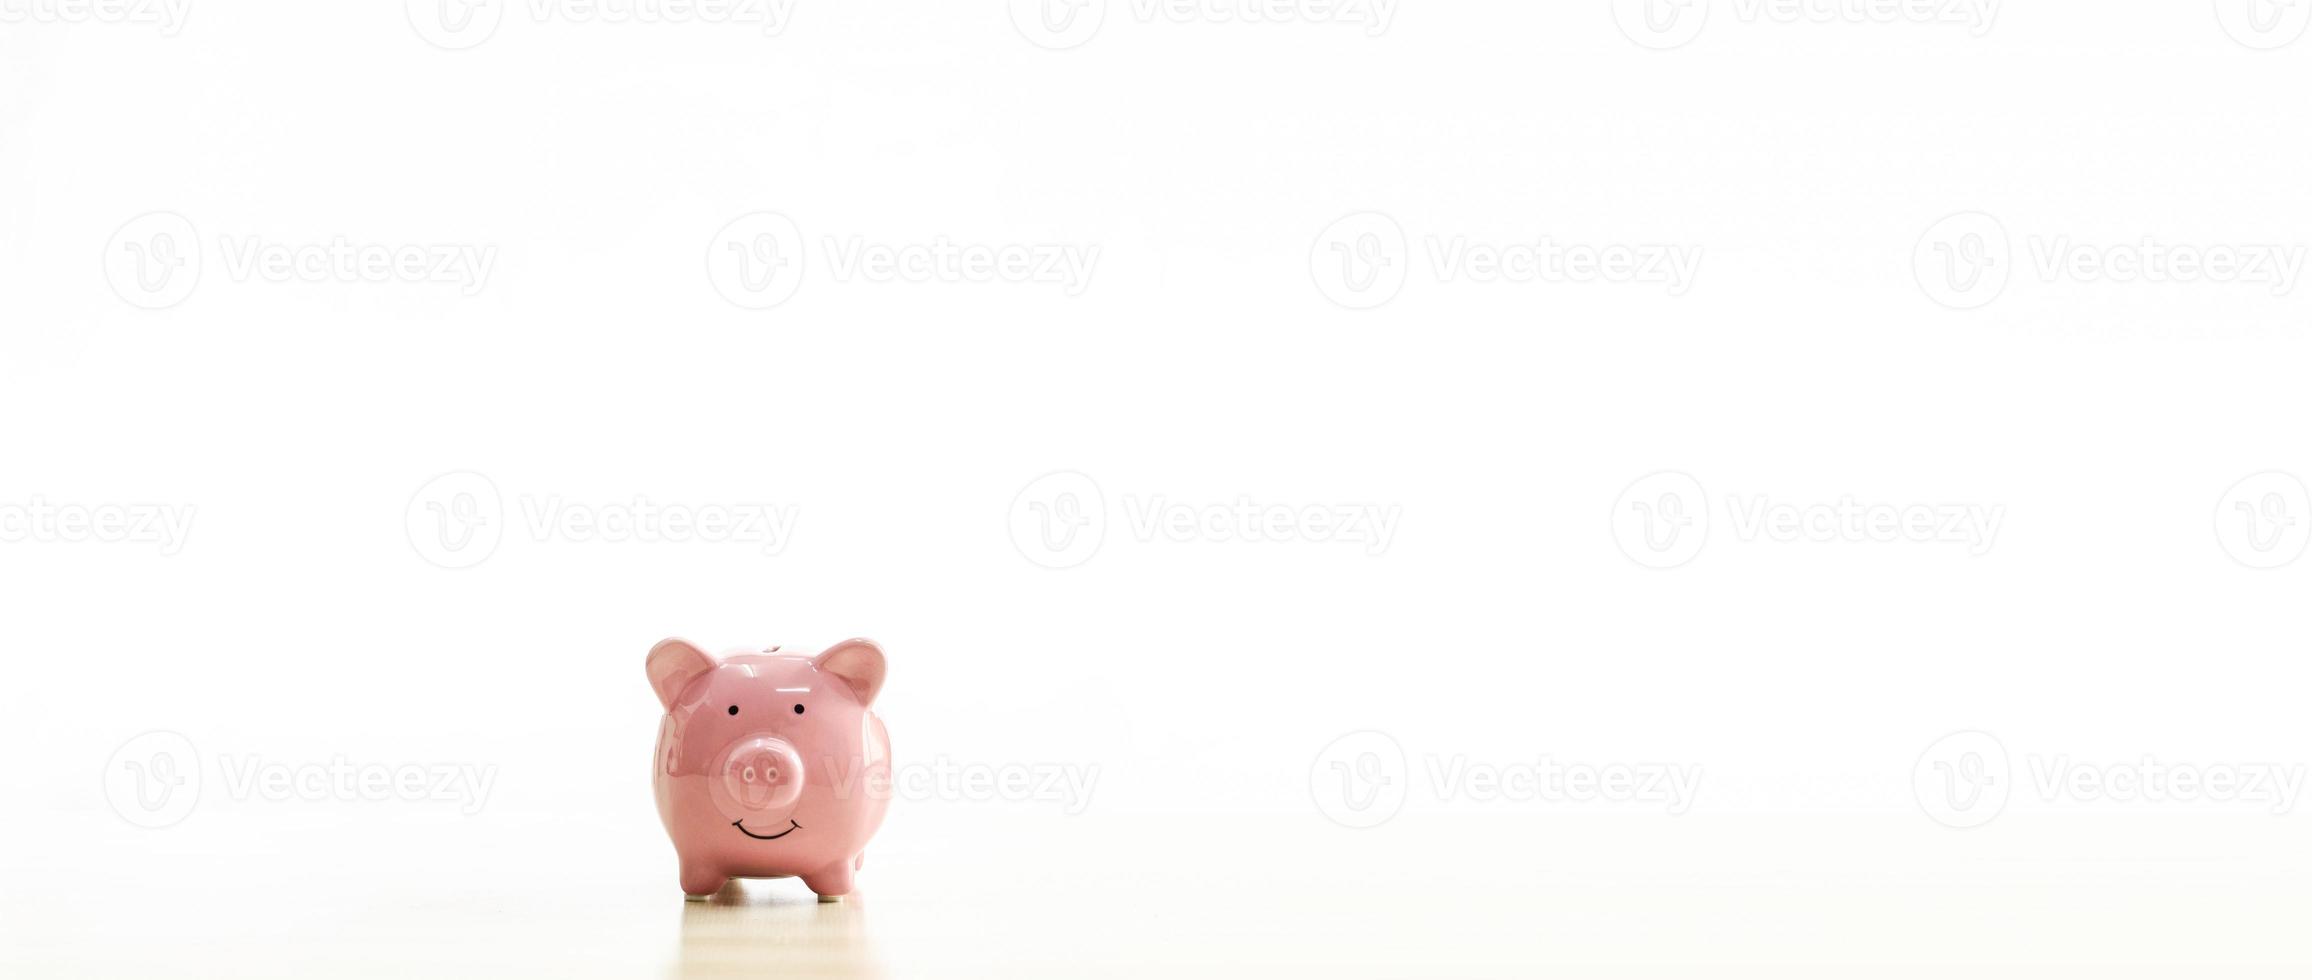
x=2126 y=612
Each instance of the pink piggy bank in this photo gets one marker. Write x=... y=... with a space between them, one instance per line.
x=769 y=764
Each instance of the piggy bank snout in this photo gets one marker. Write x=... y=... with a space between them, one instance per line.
x=761 y=774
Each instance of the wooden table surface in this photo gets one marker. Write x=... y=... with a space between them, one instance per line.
x=261 y=893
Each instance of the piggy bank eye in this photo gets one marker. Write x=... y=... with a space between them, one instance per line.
x=734 y=709
x=798 y=709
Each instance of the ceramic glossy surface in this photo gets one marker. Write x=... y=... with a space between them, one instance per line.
x=770 y=764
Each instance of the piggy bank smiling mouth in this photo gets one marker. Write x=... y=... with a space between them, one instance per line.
x=742 y=826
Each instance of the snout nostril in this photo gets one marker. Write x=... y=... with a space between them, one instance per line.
x=759 y=773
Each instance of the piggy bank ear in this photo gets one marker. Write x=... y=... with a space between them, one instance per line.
x=859 y=663
x=673 y=664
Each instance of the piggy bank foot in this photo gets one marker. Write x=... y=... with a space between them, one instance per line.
x=699 y=883
x=832 y=882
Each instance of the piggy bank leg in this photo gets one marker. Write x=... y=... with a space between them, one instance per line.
x=831 y=882
x=700 y=881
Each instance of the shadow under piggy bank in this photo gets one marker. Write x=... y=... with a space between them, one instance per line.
x=761 y=929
